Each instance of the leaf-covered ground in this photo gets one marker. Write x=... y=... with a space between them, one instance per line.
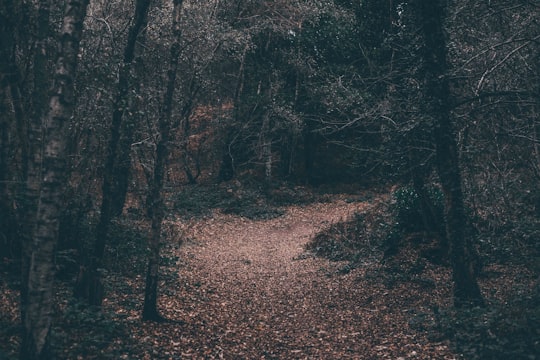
x=248 y=289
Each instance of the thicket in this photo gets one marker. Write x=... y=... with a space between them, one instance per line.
x=326 y=96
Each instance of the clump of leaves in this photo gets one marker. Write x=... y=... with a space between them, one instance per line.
x=286 y=194
x=386 y=225
x=417 y=220
x=199 y=201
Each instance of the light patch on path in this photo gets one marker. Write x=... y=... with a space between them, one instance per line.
x=258 y=295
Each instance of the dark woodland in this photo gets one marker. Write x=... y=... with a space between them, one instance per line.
x=256 y=179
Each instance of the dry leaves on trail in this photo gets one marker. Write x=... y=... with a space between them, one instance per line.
x=249 y=290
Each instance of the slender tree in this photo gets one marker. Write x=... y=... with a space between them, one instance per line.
x=122 y=119
x=437 y=98
x=155 y=200
x=89 y=280
x=39 y=303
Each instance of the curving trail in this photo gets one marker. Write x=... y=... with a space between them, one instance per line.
x=249 y=291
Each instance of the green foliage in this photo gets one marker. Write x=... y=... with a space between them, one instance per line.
x=382 y=227
x=407 y=209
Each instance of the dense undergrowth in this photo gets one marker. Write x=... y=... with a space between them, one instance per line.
x=392 y=233
x=250 y=200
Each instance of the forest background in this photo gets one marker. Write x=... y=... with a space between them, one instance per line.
x=116 y=110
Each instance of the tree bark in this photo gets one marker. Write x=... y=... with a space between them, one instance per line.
x=155 y=201
x=8 y=71
x=89 y=284
x=39 y=303
x=31 y=130
x=227 y=170
x=437 y=97
x=266 y=149
x=122 y=161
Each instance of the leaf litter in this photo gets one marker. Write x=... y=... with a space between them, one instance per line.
x=248 y=289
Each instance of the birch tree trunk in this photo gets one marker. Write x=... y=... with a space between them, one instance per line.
x=40 y=285
x=31 y=131
x=437 y=98
x=155 y=200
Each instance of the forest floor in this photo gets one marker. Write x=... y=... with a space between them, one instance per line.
x=248 y=289
x=253 y=292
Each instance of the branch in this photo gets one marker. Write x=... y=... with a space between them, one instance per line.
x=480 y=96
x=489 y=71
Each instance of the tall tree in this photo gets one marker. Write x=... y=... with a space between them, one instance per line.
x=8 y=74
x=31 y=132
x=89 y=281
x=39 y=288
x=437 y=98
x=155 y=200
x=123 y=118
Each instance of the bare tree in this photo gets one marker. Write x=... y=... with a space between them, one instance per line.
x=155 y=200
x=89 y=281
x=8 y=76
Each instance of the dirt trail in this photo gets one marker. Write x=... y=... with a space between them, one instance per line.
x=255 y=294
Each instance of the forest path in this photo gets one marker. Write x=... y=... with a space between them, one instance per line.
x=250 y=291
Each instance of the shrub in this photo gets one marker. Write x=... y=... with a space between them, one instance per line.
x=407 y=209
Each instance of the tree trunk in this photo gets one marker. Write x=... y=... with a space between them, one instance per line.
x=7 y=222
x=39 y=303
x=536 y=141
x=155 y=201
x=420 y=171
x=431 y=14
x=309 y=152
x=226 y=170
x=266 y=149
x=7 y=68
x=185 y=124
x=89 y=280
x=123 y=118
x=31 y=134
